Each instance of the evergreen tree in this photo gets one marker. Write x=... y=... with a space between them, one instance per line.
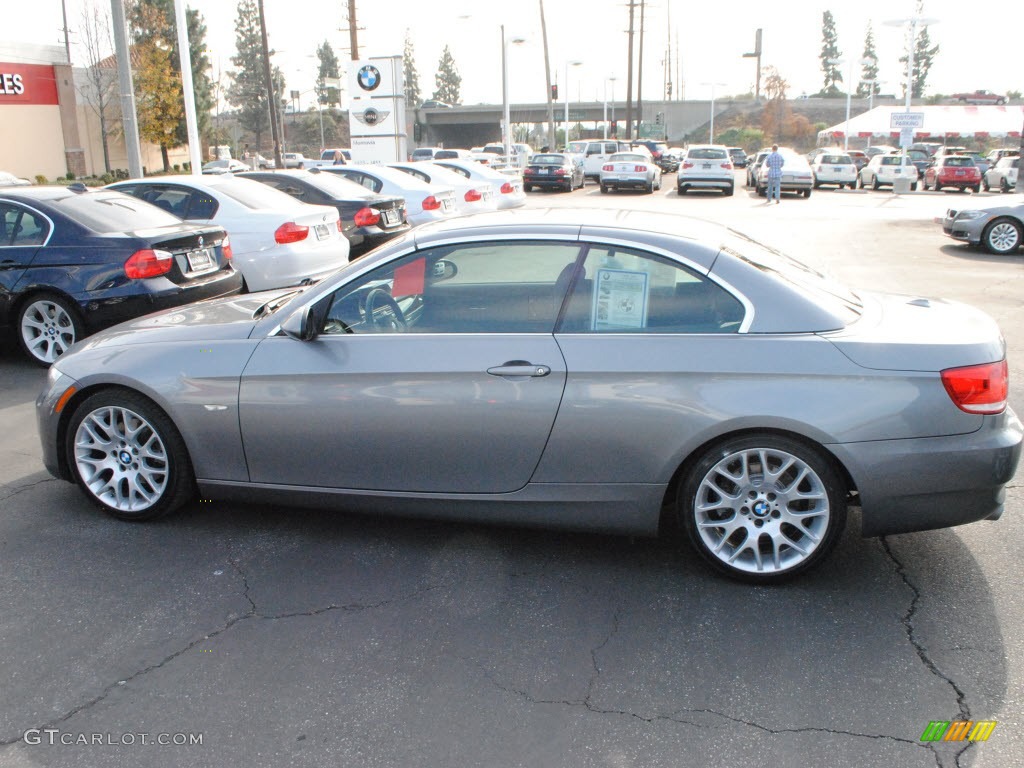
x=447 y=79
x=247 y=89
x=869 y=74
x=924 y=57
x=164 y=29
x=329 y=70
x=412 y=77
x=829 y=54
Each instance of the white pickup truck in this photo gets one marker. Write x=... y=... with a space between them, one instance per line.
x=327 y=158
x=595 y=154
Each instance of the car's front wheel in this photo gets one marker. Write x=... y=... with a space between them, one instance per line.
x=1002 y=236
x=128 y=457
x=47 y=326
x=762 y=507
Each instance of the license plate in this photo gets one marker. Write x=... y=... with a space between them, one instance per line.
x=836 y=170
x=542 y=171
x=705 y=165
x=961 y=173
x=897 y=171
x=322 y=232
x=788 y=179
x=198 y=261
x=390 y=218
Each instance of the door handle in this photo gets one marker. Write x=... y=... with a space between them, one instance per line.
x=519 y=368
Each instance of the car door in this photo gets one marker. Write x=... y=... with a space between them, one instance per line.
x=22 y=233
x=457 y=396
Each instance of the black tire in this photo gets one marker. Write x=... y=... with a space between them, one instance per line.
x=913 y=186
x=859 y=183
x=1004 y=185
x=984 y=183
x=604 y=189
x=527 y=187
x=728 y=191
x=649 y=189
x=166 y=474
x=772 y=511
x=682 y=190
x=48 y=325
x=976 y=188
x=762 y=191
x=874 y=183
x=1002 y=236
x=937 y=187
x=807 y=193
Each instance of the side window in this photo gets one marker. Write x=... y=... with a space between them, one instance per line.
x=201 y=206
x=19 y=227
x=171 y=199
x=628 y=291
x=513 y=287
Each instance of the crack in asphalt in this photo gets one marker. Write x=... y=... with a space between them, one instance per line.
x=19 y=489
x=252 y=613
x=922 y=653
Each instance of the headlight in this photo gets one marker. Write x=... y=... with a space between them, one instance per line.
x=967 y=215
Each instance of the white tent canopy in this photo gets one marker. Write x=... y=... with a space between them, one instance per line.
x=949 y=122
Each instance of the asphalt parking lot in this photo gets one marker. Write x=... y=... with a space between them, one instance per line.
x=275 y=636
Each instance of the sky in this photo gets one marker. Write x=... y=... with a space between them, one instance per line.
x=707 y=41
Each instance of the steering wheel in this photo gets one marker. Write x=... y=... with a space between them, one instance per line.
x=390 y=317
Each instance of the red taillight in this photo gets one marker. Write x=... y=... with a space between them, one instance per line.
x=608 y=167
x=341 y=227
x=473 y=196
x=291 y=233
x=978 y=388
x=225 y=248
x=639 y=168
x=431 y=203
x=507 y=188
x=560 y=172
x=656 y=155
x=148 y=263
x=529 y=172
x=366 y=217
x=727 y=165
x=687 y=164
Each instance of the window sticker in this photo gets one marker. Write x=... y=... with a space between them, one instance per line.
x=409 y=278
x=620 y=300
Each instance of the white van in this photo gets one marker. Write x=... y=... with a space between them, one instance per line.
x=595 y=154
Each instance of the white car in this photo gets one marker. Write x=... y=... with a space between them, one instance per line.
x=1002 y=175
x=423 y=202
x=633 y=169
x=509 y=189
x=294 y=160
x=225 y=166
x=706 y=166
x=277 y=240
x=834 y=168
x=796 y=174
x=471 y=196
x=884 y=170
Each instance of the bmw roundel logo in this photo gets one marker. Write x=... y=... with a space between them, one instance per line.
x=368 y=77
x=761 y=509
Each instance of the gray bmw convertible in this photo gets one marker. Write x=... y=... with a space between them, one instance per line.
x=602 y=370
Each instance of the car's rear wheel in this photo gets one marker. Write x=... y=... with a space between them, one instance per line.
x=874 y=183
x=604 y=189
x=649 y=188
x=984 y=183
x=728 y=191
x=527 y=187
x=128 y=457
x=1004 y=185
x=47 y=326
x=1002 y=236
x=763 y=507
x=807 y=193
x=682 y=190
x=976 y=188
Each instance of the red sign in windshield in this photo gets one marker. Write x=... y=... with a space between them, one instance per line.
x=27 y=84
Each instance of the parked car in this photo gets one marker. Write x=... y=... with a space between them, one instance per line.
x=471 y=195
x=957 y=171
x=883 y=170
x=76 y=261
x=1003 y=175
x=225 y=166
x=509 y=192
x=999 y=227
x=737 y=154
x=754 y=166
x=330 y=156
x=879 y=149
x=595 y=154
x=860 y=159
x=979 y=97
x=423 y=153
x=453 y=154
x=435 y=104
x=706 y=166
x=367 y=219
x=980 y=162
x=996 y=155
x=630 y=170
x=277 y=241
x=931 y=147
x=423 y=202
x=10 y=180
x=294 y=160
x=659 y=153
x=705 y=378
x=920 y=160
x=796 y=174
x=554 y=170
x=834 y=168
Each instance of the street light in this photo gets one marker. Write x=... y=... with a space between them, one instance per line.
x=711 y=132
x=567 y=65
x=611 y=80
x=506 y=133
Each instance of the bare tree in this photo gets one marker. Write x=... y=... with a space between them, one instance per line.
x=100 y=88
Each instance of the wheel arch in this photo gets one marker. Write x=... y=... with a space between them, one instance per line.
x=667 y=522
x=24 y=296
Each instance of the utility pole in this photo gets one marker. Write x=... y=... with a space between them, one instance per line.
x=275 y=131
x=552 y=142
x=129 y=119
x=629 y=77
x=756 y=54
x=353 y=32
x=640 y=73
x=67 y=42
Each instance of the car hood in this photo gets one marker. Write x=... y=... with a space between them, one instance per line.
x=231 y=317
x=907 y=333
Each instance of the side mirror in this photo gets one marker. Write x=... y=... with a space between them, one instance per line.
x=297 y=325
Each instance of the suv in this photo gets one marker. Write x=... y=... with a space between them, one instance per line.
x=706 y=166
x=738 y=156
x=595 y=154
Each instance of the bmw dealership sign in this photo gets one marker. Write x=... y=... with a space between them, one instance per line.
x=377 y=110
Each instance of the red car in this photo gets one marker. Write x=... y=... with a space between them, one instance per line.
x=979 y=97
x=953 y=171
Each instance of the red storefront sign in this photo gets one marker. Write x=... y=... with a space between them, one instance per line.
x=27 y=84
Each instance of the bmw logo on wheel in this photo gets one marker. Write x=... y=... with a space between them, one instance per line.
x=368 y=77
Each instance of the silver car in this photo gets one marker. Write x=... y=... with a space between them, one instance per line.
x=605 y=370
x=999 y=228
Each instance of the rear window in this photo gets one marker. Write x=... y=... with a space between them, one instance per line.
x=113 y=212
x=959 y=162
x=253 y=194
x=628 y=157
x=836 y=160
x=547 y=159
x=336 y=186
x=894 y=160
x=707 y=154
